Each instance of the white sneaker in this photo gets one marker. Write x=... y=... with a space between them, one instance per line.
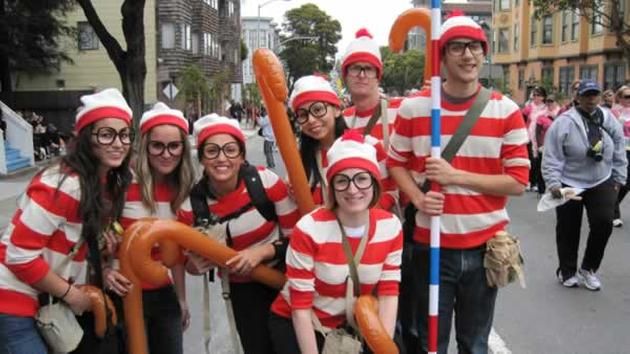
x=589 y=279
x=617 y=223
x=570 y=282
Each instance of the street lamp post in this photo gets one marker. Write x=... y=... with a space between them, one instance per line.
x=258 y=20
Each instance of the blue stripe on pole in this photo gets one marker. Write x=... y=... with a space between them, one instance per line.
x=435 y=4
x=434 y=266
x=435 y=127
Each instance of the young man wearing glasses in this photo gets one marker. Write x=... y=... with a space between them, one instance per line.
x=491 y=165
x=362 y=70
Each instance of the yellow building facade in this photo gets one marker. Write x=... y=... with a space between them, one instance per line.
x=555 y=50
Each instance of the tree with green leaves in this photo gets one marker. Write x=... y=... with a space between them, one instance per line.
x=244 y=50
x=402 y=72
x=317 y=52
x=194 y=86
x=129 y=62
x=30 y=32
x=610 y=14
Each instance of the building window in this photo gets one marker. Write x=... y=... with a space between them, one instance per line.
x=504 y=40
x=566 y=16
x=168 y=35
x=186 y=39
x=575 y=25
x=533 y=32
x=521 y=78
x=565 y=79
x=213 y=3
x=547 y=30
x=614 y=75
x=230 y=8
x=546 y=76
x=588 y=72
x=516 y=36
x=207 y=43
x=596 y=25
x=88 y=40
x=194 y=39
x=504 y=4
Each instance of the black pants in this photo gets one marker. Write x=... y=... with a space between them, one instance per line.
x=623 y=190
x=268 y=149
x=163 y=321
x=599 y=202
x=251 y=303
x=112 y=343
x=283 y=335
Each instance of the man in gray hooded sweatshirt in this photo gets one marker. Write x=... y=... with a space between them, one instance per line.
x=584 y=148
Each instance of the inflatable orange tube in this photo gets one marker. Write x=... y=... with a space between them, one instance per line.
x=101 y=304
x=370 y=326
x=273 y=87
x=417 y=16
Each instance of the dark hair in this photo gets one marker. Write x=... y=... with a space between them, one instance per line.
x=309 y=147
x=94 y=209
x=540 y=91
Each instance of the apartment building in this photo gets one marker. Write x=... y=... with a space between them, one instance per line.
x=555 y=50
x=257 y=32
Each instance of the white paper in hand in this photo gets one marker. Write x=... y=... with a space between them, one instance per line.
x=548 y=202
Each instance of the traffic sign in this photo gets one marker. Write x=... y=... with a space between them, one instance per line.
x=170 y=91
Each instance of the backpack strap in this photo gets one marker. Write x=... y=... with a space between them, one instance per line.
x=257 y=192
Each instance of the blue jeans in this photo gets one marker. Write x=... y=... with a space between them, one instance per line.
x=19 y=335
x=463 y=290
x=163 y=321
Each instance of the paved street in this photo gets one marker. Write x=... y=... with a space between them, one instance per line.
x=543 y=318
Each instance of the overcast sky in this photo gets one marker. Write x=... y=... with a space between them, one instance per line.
x=376 y=15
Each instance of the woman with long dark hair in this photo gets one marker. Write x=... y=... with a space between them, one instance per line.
x=70 y=202
x=317 y=109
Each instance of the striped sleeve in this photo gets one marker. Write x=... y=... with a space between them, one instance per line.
x=301 y=267
x=278 y=193
x=514 y=148
x=390 y=192
x=389 y=281
x=400 y=145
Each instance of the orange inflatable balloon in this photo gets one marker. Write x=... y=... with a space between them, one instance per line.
x=101 y=306
x=273 y=87
x=417 y=16
x=370 y=326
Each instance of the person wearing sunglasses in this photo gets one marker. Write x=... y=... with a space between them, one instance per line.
x=316 y=108
x=163 y=177
x=315 y=297
x=621 y=109
x=230 y=204
x=362 y=70
x=71 y=202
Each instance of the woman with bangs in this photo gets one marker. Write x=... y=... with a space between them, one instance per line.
x=64 y=213
x=315 y=298
x=317 y=110
x=162 y=181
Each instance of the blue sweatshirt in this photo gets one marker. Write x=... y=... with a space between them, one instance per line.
x=565 y=159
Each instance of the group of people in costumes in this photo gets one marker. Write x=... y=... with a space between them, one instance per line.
x=356 y=161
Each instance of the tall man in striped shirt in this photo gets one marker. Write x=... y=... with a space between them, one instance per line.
x=491 y=164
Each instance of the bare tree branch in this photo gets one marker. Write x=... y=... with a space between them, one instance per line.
x=114 y=50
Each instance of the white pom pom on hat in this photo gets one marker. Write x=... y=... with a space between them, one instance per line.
x=213 y=124
x=312 y=88
x=351 y=151
x=160 y=114
x=362 y=49
x=108 y=103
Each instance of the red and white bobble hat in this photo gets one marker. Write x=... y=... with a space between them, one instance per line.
x=214 y=124
x=458 y=25
x=162 y=114
x=351 y=151
x=365 y=49
x=108 y=103
x=312 y=88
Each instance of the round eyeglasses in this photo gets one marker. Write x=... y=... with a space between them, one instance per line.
x=107 y=135
x=157 y=148
x=361 y=180
x=317 y=110
x=356 y=70
x=211 y=151
x=456 y=48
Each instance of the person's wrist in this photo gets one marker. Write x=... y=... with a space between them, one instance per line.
x=66 y=293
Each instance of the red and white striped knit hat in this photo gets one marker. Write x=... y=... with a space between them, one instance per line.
x=363 y=48
x=108 y=103
x=458 y=25
x=351 y=151
x=312 y=88
x=214 y=124
x=162 y=114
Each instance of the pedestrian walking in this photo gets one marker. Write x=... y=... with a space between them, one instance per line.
x=584 y=148
x=269 y=139
x=490 y=165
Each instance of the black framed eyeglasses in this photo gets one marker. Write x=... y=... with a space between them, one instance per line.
x=626 y=97
x=361 y=180
x=317 y=110
x=107 y=135
x=456 y=48
x=157 y=148
x=356 y=70
x=211 y=151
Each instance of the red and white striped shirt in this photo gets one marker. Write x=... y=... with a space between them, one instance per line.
x=359 y=119
x=251 y=228
x=134 y=210
x=390 y=191
x=317 y=268
x=41 y=234
x=496 y=145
